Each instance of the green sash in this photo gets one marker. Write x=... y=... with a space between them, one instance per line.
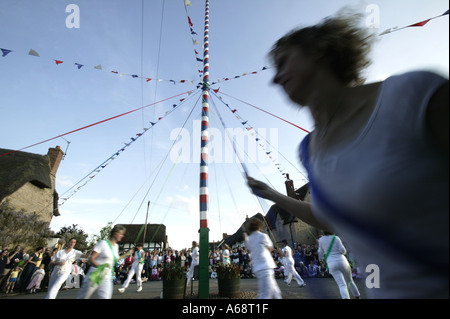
x=329 y=249
x=96 y=277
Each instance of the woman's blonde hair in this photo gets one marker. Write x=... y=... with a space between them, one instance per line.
x=341 y=41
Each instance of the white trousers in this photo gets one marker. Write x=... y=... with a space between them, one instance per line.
x=290 y=272
x=341 y=272
x=73 y=281
x=135 y=269
x=104 y=290
x=190 y=273
x=56 y=280
x=267 y=285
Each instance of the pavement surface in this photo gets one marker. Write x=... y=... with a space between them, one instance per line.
x=316 y=288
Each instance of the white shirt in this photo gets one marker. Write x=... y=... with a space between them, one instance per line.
x=137 y=256
x=195 y=255
x=337 y=251
x=105 y=254
x=287 y=258
x=258 y=244
x=68 y=259
x=393 y=179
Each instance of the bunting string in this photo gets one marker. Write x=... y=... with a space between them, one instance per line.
x=195 y=42
x=32 y=52
x=261 y=141
x=224 y=79
x=301 y=128
x=173 y=166
x=57 y=62
x=100 y=122
x=417 y=24
x=92 y=174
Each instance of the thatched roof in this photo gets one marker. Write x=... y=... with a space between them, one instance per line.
x=19 y=168
x=156 y=233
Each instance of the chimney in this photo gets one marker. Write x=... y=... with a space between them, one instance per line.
x=55 y=155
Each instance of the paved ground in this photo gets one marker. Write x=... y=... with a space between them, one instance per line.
x=316 y=288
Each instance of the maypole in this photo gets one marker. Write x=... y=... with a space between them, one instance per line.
x=203 y=288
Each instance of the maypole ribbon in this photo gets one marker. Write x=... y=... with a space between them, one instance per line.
x=92 y=174
x=94 y=124
x=301 y=128
x=258 y=139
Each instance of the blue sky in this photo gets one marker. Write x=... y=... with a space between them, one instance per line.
x=40 y=100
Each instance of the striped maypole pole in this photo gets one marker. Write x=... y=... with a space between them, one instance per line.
x=203 y=288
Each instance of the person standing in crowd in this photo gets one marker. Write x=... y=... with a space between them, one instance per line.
x=136 y=268
x=36 y=279
x=288 y=262
x=15 y=257
x=62 y=262
x=195 y=261
x=378 y=141
x=226 y=254
x=4 y=261
x=30 y=267
x=12 y=278
x=263 y=265
x=103 y=259
x=332 y=251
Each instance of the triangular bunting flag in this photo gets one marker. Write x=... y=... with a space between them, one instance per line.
x=187 y=3
x=420 y=24
x=79 y=66
x=98 y=67
x=216 y=91
x=5 y=52
x=58 y=62
x=32 y=52
x=190 y=22
x=195 y=42
x=446 y=12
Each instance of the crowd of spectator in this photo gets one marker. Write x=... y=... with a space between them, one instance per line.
x=306 y=260
x=18 y=266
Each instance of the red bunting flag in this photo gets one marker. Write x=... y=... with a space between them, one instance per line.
x=58 y=62
x=148 y=80
x=216 y=91
x=190 y=22
x=420 y=24
x=234 y=111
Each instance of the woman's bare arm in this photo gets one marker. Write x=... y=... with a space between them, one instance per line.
x=295 y=207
